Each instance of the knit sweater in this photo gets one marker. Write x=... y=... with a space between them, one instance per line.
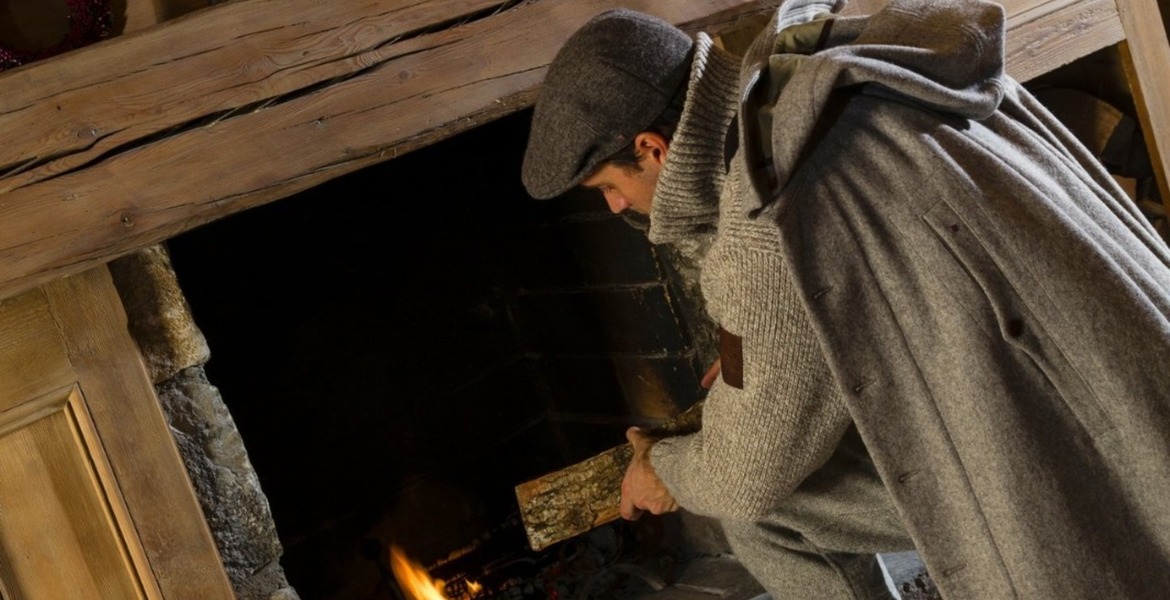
x=760 y=442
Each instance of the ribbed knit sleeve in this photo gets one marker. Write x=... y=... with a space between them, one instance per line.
x=758 y=443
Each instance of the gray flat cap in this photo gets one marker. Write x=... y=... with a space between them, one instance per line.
x=608 y=83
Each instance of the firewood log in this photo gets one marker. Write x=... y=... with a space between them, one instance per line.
x=573 y=500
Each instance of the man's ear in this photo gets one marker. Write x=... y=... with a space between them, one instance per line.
x=652 y=145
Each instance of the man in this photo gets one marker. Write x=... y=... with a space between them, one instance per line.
x=911 y=259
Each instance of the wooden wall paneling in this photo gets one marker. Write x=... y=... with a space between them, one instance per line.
x=135 y=437
x=94 y=499
x=53 y=471
x=24 y=344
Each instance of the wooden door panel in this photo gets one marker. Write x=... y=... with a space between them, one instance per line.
x=94 y=499
x=32 y=356
x=53 y=471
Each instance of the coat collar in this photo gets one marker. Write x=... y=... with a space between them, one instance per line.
x=686 y=198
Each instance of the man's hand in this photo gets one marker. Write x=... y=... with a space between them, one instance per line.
x=708 y=379
x=642 y=490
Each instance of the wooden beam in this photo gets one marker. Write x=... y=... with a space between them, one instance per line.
x=1146 y=56
x=134 y=140
x=126 y=143
x=1046 y=36
x=1043 y=35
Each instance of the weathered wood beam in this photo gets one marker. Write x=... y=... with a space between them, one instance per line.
x=126 y=143
x=134 y=140
x=1146 y=54
x=1045 y=34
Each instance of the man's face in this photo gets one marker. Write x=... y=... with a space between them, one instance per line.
x=626 y=188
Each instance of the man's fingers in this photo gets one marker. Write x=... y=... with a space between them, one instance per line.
x=708 y=379
x=627 y=509
x=638 y=438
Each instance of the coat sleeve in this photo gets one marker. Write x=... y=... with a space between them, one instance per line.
x=764 y=433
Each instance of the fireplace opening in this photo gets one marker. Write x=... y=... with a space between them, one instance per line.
x=402 y=345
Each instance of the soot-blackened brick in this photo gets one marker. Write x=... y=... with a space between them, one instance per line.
x=610 y=252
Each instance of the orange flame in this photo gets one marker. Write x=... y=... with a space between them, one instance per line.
x=416 y=582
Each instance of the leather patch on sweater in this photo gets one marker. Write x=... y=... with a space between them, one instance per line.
x=731 y=358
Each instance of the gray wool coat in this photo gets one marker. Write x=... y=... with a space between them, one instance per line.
x=992 y=307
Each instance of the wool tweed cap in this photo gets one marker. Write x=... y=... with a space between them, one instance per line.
x=608 y=83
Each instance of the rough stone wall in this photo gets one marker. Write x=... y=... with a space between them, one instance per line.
x=217 y=462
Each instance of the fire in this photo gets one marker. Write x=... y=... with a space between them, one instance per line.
x=416 y=582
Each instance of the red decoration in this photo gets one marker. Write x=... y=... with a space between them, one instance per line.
x=89 y=21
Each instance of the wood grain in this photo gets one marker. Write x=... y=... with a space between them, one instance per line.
x=1146 y=56
x=1055 y=33
x=124 y=144
x=32 y=355
x=136 y=438
x=53 y=471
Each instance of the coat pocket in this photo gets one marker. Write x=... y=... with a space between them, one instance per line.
x=992 y=298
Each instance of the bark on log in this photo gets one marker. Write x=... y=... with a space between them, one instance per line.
x=569 y=502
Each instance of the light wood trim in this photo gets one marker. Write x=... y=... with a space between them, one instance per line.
x=1043 y=34
x=114 y=502
x=51 y=439
x=33 y=410
x=24 y=342
x=1056 y=33
x=1146 y=56
x=136 y=438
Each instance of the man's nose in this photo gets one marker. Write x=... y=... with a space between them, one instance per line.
x=617 y=203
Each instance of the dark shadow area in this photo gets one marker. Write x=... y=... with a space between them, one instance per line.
x=403 y=345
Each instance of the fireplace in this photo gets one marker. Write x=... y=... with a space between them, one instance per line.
x=401 y=346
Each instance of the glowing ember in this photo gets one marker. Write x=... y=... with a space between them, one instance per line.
x=417 y=583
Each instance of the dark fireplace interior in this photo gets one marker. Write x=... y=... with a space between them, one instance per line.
x=403 y=345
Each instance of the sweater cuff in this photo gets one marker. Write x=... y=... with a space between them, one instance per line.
x=667 y=457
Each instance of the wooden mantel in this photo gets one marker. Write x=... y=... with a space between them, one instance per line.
x=126 y=143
